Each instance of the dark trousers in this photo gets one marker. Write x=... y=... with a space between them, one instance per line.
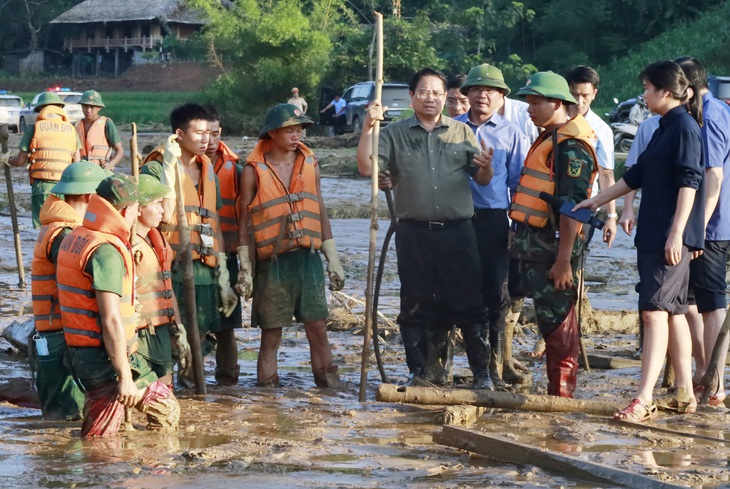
x=492 y=229
x=339 y=123
x=440 y=285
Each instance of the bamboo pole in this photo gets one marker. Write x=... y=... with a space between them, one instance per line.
x=373 y=216
x=4 y=136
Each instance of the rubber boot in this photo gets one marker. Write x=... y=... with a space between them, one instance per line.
x=413 y=341
x=561 y=357
x=227 y=376
x=436 y=352
x=496 y=343
x=509 y=372
x=327 y=377
x=478 y=354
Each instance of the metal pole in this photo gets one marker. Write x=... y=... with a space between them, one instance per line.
x=373 y=216
x=13 y=211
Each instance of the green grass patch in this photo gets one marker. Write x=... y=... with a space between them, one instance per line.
x=151 y=109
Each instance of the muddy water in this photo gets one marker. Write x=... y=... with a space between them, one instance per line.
x=298 y=436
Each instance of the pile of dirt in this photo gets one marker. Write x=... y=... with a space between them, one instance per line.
x=153 y=77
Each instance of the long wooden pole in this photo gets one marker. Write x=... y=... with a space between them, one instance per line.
x=189 y=285
x=373 y=217
x=13 y=212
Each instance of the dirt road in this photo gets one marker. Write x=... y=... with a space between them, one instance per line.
x=299 y=436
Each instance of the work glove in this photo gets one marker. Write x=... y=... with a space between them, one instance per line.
x=229 y=299
x=5 y=159
x=170 y=157
x=244 y=283
x=334 y=268
x=181 y=348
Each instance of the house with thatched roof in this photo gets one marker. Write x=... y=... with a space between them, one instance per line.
x=124 y=29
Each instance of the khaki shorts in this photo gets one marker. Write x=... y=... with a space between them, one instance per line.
x=291 y=285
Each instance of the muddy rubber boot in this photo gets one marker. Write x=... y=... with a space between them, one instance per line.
x=436 y=349
x=327 y=377
x=272 y=381
x=413 y=343
x=227 y=376
x=510 y=374
x=561 y=357
x=478 y=354
x=496 y=344
x=186 y=381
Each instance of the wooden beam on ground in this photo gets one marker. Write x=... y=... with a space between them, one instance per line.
x=669 y=431
x=606 y=362
x=493 y=399
x=568 y=466
x=462 y=415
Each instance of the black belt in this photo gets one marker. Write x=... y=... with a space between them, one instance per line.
x=433 y=225
x=484 y=213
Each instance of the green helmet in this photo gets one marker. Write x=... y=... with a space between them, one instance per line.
x=91 y=97
x=48 y=98
x=547 y=84
x=150 y=189
x=79 y=178
x=283 y=115
x=485 y=75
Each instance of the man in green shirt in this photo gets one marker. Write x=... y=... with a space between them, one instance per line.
x=99 y=135
x=430 y=158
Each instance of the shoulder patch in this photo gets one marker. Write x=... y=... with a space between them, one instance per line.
x=575 y=167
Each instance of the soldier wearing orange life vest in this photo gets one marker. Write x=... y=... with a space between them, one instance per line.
x=100 y=139
x=186 y=150
x=96 y=294
x=50 y=146
x=60 y=397
x=563 y=163
x=283 y=225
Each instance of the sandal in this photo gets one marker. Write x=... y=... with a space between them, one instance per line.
x=637 y=412
x=538 y=351
x=677 y=400
x=717 y=399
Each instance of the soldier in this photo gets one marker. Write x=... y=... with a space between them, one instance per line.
x=60 y=397
x=561 y=162
x=160 y=331
x=228 y=170
x=283 y=224
x=185 y=149
x=100 y=139
x=96 y=292
x=50 y=145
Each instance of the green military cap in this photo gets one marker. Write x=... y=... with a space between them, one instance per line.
x=547 y=84
x=119 y=190
x=485 y=75
x=150 y=189
x=79 y=178
x=48 y=98
x=91 y=97
x=283 y=115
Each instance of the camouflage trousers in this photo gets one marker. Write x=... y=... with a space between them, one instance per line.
x=551 y=305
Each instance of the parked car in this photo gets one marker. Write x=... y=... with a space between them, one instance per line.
x=10 y=106
x=72 y=108
x=720 y=87
x=395 y=96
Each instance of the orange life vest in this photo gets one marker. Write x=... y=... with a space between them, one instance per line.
x=200 y=211
x=95 y=146
x=538 y=173
x=55 y=215
x=154 y=281
x=79 y=310
x=225 y=168
x=53 y=145
x=284 y=219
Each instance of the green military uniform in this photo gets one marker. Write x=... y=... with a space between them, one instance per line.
x=536 y=248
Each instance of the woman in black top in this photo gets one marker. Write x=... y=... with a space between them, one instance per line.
x=670 y=230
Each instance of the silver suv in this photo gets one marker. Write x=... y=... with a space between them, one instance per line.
x=395 y=97
x=10 y=106
x=72 y=108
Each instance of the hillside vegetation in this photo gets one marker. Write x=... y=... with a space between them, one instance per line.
x=707 y=38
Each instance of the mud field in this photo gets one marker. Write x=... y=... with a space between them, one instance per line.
x=299 y=436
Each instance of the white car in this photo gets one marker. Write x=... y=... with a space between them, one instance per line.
x=72 y=108
x=10 y=106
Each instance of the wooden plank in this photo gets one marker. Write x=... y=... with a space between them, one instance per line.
x=462 y=415
x=669 y=431
x=568 y=466
x=493 y=399
x=608 y=362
